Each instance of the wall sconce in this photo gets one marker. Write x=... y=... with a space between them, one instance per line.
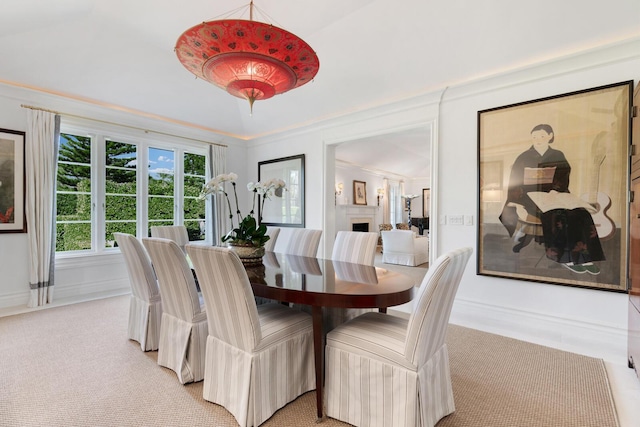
x=339 y=187
x=380 y=195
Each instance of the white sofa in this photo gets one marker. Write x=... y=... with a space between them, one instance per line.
x=404 y=247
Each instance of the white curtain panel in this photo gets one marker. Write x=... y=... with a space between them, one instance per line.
x=41 y=152
x=218 y=162
x=385 y=204
x=401 y=204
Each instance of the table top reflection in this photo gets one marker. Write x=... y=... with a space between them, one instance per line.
x=327 y=283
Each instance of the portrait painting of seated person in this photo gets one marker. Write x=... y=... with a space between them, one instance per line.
x=564 y=224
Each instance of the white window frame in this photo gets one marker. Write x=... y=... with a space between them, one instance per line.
x=99 y=132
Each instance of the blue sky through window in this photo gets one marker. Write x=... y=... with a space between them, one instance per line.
x=161 y=161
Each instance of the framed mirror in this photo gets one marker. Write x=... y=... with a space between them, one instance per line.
x=285 y=208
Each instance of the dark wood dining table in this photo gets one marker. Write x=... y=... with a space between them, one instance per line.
x=319 y=283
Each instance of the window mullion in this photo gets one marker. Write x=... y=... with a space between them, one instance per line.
x=98 y=193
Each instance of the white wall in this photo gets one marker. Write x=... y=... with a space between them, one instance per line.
x=545 y=313
x=587 y=321
x=14 y=254
x=83 y=277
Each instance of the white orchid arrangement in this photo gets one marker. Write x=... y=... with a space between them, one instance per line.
x=248 y=231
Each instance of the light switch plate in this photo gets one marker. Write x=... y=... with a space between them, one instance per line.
x=455 y=220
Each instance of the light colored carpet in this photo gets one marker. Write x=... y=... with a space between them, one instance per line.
x=73 y=366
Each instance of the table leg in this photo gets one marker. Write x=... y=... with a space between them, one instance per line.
x=318 y=350
x=382 y=310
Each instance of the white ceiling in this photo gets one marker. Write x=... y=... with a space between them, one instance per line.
x=393 y=155
x=120 y=52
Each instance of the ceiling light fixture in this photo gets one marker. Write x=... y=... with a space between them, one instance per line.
x=249 y=59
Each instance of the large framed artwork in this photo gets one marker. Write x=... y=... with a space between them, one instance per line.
x=553 y=178
x=285 y=208
x=12 y=178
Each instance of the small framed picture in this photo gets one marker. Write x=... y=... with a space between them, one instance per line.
x=12 y=188
x=426 y=202
x=359 y=193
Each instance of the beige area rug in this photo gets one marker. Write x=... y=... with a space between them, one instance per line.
x=73 y=366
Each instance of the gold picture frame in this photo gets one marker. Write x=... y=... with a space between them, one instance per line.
x=359 y=193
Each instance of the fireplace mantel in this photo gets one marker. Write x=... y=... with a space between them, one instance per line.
x=347 y=215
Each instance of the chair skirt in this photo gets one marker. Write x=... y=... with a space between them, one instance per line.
x=252 y=386
x=144 y=322
x=182 y=346
x=365 y=390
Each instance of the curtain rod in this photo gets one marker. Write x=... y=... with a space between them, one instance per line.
x=121 y=125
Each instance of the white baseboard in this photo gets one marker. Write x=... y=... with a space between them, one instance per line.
x=64 y=295
x=14 y=300
x=605 y=342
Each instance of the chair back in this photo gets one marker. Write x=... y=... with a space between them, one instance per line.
x=304 y=242
x=177 y=233
x=428 y=323
x=144 y=284
x=355 y=247
x=273 y=233
x=177 y=285
x=231 y=308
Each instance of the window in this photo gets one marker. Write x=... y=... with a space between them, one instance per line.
x=194 y=178
x=108 y=184
x=121 y=210
x=160 y=181
x=73 y=194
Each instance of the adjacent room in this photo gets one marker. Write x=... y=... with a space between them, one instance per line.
x=348 y=212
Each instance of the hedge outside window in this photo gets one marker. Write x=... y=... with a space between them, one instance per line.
x=112 y=181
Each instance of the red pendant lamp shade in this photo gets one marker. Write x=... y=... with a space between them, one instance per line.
x=248 y=59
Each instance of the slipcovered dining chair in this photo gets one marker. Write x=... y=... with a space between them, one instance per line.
x=177 y=233
x=258 y=358
x=304 y=242
x=145 y=306
x=350 y=247
x=384 y=370
x=183 y=332
x=356 y=247
x=273 y=233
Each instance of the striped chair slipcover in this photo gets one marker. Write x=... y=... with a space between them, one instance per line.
x=355 y=247
x=177 y=233
x=383 y=370
x=258 y=358
x=273 y=233
x=304 y=242
x=145 y=307
x=183 y=332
